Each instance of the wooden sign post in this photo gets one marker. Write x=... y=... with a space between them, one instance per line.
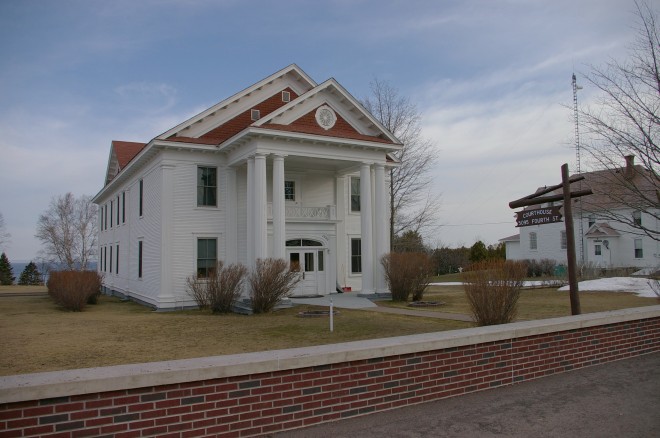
x=549 y=215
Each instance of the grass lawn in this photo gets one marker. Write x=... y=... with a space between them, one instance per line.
x=534 y=303
x=38 y=336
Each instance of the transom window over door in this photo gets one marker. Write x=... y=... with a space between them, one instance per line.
x=207 y=186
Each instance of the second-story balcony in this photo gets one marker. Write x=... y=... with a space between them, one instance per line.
x=328 y=212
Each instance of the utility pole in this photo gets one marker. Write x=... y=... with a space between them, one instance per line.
x=566 y=196
x=570 y=242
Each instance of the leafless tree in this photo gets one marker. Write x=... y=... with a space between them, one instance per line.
x=5 y=237
x=68 y=231
x=624 y=122
x=412 y=206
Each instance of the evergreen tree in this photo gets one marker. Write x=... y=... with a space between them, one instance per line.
x=478 y=252
x=30 y=276
x=6 y=271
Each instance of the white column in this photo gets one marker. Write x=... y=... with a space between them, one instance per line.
x=231 y=218
x=250 y=212
x=380 y=219
x=366 y=230
x=260 y=208
x=279 y=231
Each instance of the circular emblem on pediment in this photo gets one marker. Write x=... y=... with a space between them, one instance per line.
x=326 y=117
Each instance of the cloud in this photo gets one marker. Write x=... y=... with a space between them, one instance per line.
x=147 y=97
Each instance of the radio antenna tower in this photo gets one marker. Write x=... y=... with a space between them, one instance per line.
x=576 y=87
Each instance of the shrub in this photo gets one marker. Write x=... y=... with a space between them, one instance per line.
x=492 y=289
x=270 y=281
x=407 y=273
x=220 y=289
x=74 y=289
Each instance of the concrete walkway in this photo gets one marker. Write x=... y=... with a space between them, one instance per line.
x=617 y=399
x=353 y=301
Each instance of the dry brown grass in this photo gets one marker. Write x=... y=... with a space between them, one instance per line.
x=38 y=336
x=535 y=303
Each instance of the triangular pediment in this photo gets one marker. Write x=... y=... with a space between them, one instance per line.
x=347 y=118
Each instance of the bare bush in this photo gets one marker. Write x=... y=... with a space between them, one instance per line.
x=220 y=289
x=655 y=285
x=492 y=289
x=407 y=273
x=270 y=282
x=198 y=290
x=74 y=289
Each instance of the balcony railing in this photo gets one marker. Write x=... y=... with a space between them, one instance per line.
x=329 y=212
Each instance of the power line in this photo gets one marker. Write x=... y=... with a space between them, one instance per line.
x=485 y=223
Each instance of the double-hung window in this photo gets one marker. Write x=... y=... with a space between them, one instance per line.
x=141 y=197
x=562 y=239
x=533 y=244
x=639 y=249
x=207 y=186
x=140 y=246
x=207 y=257
x=355 y=194
x=356 y=256
x=637 y=217
x=289 y=190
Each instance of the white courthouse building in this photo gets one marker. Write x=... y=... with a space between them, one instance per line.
x=286 y=168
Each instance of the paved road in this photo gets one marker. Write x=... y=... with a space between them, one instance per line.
x=618 y=399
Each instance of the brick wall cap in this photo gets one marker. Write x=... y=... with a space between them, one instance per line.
x=39 y=386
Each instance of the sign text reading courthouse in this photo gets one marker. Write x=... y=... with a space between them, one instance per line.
x=538 y=216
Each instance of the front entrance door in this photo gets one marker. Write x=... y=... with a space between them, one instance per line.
x=310 y=263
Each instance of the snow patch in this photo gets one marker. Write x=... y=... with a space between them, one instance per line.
x=639 y=286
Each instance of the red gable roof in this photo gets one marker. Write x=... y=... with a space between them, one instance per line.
x=125 y=151
x=241 y=121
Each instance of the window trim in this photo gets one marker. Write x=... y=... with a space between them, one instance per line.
x=353 y=256
x=639 y=246
x=358 y=195
x=533 y=241
x=140 y=257
x=197 y=257
x=206 y=187
x=598 y=250
x=141 y=198
x=292 y=181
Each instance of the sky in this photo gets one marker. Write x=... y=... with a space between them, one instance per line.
x=491 y=78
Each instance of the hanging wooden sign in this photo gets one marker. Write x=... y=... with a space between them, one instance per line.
x=538 y=216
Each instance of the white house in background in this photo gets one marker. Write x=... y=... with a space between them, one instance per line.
x=286 y=168
x=599 y=240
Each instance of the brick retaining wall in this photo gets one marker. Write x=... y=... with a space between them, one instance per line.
x=253 y=394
